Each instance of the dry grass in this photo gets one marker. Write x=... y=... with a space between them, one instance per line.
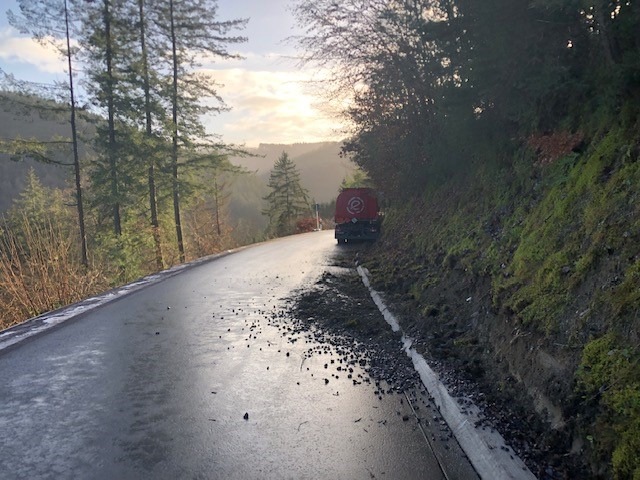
x=40 y=271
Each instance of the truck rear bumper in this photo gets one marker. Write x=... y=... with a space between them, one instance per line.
x=368 y=231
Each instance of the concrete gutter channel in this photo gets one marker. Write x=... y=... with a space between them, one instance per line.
x=485 y=448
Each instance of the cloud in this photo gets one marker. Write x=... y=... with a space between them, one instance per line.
x=17 y=49
x=271 y=101
x=270 y=106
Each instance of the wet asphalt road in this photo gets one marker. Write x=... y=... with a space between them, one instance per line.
x=156 y=385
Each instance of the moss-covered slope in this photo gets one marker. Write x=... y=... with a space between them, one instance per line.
x=529 y=275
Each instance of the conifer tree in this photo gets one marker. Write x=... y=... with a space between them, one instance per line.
x=146 y=74
x=52 y=22
x=191 y=31
x=127 y=86
x=104 y=37
x=288 y=200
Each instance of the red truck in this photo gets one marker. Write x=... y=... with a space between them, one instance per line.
x=357 y=215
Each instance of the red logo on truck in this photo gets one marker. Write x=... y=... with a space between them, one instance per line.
x=355 y=205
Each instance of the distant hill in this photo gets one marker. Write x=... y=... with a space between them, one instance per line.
x=320 y=165
x=18 y=120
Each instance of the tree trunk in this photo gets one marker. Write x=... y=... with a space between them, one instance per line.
x=605 y=41
x=217 y=200
x=113 y=164
x=153 y=202
x=74 y=135
x=174 y=134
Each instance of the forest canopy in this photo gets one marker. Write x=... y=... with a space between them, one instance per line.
x=435 y=83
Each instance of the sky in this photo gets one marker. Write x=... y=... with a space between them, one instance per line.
x=269 y=95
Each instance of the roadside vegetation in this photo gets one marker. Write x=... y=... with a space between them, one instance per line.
x=222 y=209
x=504 y=136
x=139 y=161
x=135 y=183
x=39 y=267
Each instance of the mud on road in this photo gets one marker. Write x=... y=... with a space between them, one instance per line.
x=339 y=310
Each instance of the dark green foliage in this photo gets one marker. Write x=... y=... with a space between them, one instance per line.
x=609 y=377
x=104 y=37
x=453 y=82
x=551 y=251
x=585 y=220
x=358 y=179
x=41 y=205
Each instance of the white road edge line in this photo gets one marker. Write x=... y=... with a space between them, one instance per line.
x=485 y=448
x=34 y=326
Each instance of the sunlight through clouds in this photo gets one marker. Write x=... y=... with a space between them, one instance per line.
x=271 y=101
x=270 y=106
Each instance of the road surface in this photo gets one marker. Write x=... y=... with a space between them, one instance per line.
x=197 y=377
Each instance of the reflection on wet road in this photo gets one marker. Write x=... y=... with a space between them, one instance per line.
x=198 y=376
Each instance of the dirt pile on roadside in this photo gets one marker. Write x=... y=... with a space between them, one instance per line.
x=339 y=310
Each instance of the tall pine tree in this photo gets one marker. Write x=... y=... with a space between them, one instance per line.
x=191 y=32
x=52 y=22
x=288 y=200
x=148 y=76
x=103 y=36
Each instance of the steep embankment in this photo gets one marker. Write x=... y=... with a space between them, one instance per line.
x=527 y=278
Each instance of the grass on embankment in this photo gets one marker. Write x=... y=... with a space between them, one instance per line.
x=559 y=247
